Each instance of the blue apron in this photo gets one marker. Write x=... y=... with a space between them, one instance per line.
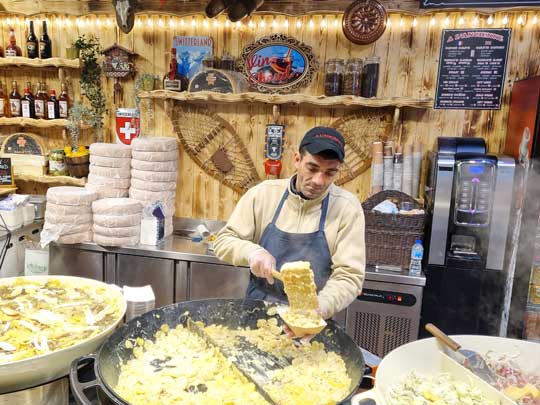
x=291 y=247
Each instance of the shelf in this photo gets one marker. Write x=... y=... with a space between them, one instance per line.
x=7 y=190
x=67 y=180
x=33 y=122
x=40 y=63
x=297 y=99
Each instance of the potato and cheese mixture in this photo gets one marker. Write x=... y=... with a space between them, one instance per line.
x=42 y=316
x=181 y=367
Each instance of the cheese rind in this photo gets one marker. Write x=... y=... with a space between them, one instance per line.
x=103 y=191
x=117 y=221
x=68 y=228
x=116 y=206
x=154 y=144
x=155 y=156
x=116 y=241
x=110 y=172
x=153 y=185
x=68 y=195
x=76 y=238
x=104 y=161
x=153 y=176
x=105 y=181
x=114 y=150
x=118 y=232
x=167 y=166
x=143 y=195
x=57 y=210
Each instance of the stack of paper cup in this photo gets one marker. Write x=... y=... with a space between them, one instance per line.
x=388 y=167
x=398 y=169
x=377 y=168
x=154 y=168
x=406 y=185
x=117 y=221
x=417 y=168
x=110 y=170
x=68 y=215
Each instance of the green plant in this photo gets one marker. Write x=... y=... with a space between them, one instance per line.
x=79 y=114
x=90 y=49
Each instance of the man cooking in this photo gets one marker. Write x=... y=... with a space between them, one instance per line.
x=305 y=217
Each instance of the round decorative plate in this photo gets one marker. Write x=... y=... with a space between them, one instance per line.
x=364 y=21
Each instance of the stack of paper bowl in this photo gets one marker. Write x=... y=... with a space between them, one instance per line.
x=117 y=221
x=110 y=166
x=68 y=215
x=154 y=168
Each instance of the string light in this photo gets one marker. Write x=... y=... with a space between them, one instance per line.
x=149 y=22
x=505 y=20
x=274 y=23
x=323 y=23
x=98 y=22
x=227 y=24
x=205 y=24
x=138 y=21
x=67 y=22
x=251 y=24
x=311 y=24
x=160 y=22
x=262 y=24
x=216 y=23
x=286 y=23
x=432 y=21
x=87 y=22
x=336 y=22
x=238 y=24
x=461 y=20
x=401 y=22
x=521 y=20
x=414 y=22
x=8 y=21
x=298 y=24
x=108 y=22
x=475 y=21
x=490 y=20
x=182 y=22
x=82 y=23
x=193 y=22
x=58 y=21
x=535 y=20
x=446 y=21
x=388 y=22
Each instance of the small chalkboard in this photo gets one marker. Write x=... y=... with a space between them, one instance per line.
x=472 y=69
x=6 y=173
x=476 y=3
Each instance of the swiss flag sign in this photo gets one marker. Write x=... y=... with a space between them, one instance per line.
x=128 y=125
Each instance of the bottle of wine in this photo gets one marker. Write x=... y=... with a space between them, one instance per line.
x=64 y=102
x=32 y=46
x=39 y=102
x=45 y=44
x=13 y=49
x=27 y=105
x=4 y=111
x=172 y=78
x=52 y=106
x=15 y=100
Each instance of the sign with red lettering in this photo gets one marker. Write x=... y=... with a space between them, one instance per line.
x=278 y=64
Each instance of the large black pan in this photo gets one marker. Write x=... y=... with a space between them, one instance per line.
x=230 y=313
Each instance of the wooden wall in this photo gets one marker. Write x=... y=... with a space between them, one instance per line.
x=409 y=51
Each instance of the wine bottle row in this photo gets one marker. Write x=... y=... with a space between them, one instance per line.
x=41 y=105
x=35 y=48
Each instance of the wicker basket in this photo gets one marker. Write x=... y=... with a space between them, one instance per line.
x=390 y=237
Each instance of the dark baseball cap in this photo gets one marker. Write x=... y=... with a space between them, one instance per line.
x=320 y=139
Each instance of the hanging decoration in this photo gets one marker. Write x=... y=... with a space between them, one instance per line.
x=118 y=63
x=236 y=9
x=364 y=21
x=125 y=14
x=273 y=149
x=278 y=64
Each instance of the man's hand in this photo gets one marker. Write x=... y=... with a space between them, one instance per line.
x=262 y=263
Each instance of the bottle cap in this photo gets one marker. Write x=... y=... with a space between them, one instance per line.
x=419 y=241
x=53 y=92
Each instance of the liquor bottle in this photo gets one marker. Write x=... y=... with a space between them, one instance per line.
x=13 y=49
x=52 y=107
x=29 y=87
x=172 y=78
x=45 y=44
x=32 y=46
x=64 y=102
x=27 y=105
x=4 y=111
x=15 y=100
x=40 y=102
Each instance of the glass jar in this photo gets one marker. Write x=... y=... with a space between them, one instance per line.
x=370 y=77
x=209 y=61
x=333 y=79
x=352 y=78
x=57 y=163
x=227 y=62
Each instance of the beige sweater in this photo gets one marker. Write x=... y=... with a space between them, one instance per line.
x=344 y=230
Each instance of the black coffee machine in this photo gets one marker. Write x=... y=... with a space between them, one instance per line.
x=469 y=195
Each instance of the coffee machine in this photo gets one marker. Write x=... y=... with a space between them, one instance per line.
x=469 y=194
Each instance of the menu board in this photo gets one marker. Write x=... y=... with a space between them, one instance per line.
x=6 y=172
x=472 y=69
x=476 y=3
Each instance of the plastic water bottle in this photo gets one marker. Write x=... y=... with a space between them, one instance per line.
x=417 y=252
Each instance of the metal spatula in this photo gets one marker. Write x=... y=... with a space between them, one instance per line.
x=467 y=358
